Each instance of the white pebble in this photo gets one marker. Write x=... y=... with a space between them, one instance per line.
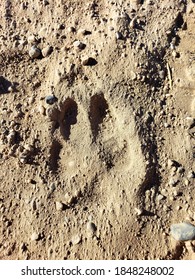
x=34 y=236
x=59 y=206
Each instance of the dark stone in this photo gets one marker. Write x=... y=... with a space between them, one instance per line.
x=51 y=99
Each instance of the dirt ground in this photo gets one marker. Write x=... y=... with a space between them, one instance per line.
x=97 y=123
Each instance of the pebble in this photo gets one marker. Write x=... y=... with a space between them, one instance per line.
x=76 y=239
x=31 y=39
x=68 y=199
x=11 y=88
x=171 y=163
x=83 y=32
x=11 y=137
x=89 y=61
x=173 y=182
x=71 y=29
x=47 y=51
x=180 y=170
x=91 y=227
x=35 y=236
x=41 y=110
x=33 y=204
x=138 y=211
x=52 y=187
x=191 y=175
x=133 y=23
x=50 y=99
x=166 y=125
x=59 y=206
x=183 y=231
x=34 y=52
x=119 y=35
x=190 y=122
x=162 y=74
x=79 y=45
x=160 y=197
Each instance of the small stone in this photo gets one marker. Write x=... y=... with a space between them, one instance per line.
x=84 y=32
x=173 y=182
x=89 y=61
x=133 y=76
x=31 y=39
x=166 y=125
x=119 y=35
x=171 y=163
x=47 y=51
x=186 y=182
x=190 y=122
x=35 y=236
x=183 y=231
x=68 y=199
x=11 y=88
x=11 y=137
x=71 y=29
x=160 y=197
x=61 y=26
x=59 y=206
x=76 y=239
x=138 y=211
x=79 y=45
x=41 y=110
x=133 y=23
x=33 y=205
x=52 y=187
x=34 y=52
x=191 y=175
x=162 y=74
x=91 y=227
x=180 y=170
x=51 y=99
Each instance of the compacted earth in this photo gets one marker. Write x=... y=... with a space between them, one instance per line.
x=97 y=129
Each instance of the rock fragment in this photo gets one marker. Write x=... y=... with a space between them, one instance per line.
x=183 y=231
x=191 y=175
x=51 y=99
x=35 y=236
x=76 y=239
x=31 y=39
x=79 y=45
x=91 y=227
x=69 y=199
x=173 y=181
x=59 y=206
x=34 y=52
x=119 y=35
x=138 y=211
x=47 y=51
x=89 y=61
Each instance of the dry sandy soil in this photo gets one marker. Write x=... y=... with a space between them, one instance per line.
x=108 y=167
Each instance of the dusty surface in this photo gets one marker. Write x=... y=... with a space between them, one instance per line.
x=105 y=170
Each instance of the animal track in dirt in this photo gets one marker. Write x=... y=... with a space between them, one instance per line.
x=98 y=110
x=105 y=140
x=68 y=117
